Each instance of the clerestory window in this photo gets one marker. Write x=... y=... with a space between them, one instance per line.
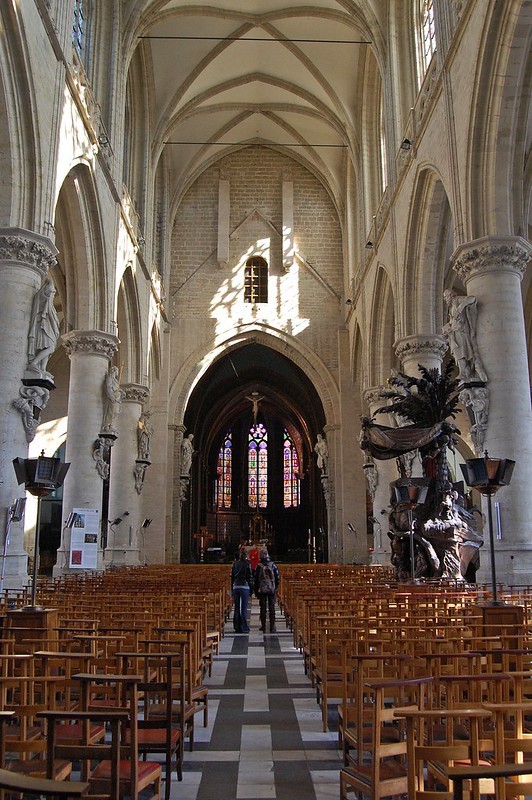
x=78 y=26
x=256 y=280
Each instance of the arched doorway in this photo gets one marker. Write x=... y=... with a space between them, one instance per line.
x=255 y=416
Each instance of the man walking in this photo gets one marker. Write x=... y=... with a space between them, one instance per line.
x=265 y=586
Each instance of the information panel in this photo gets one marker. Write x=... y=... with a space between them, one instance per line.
x=84 y=538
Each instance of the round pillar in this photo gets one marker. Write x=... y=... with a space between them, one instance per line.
x=126 y=481
x=25 y=258
x=491 y=269
x=90 y=353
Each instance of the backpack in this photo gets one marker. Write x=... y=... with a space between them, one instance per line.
x=266 y=580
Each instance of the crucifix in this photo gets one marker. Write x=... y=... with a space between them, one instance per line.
x=255 y=398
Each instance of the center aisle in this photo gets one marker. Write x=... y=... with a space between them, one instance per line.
x=264 y=738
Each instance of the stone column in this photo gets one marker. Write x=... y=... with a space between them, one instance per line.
x=25 y=258
x=492 y=269
x=385 y=472
x=126 y=481
x=90 y=353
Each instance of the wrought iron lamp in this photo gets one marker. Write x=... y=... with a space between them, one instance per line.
x=487 y=475
x=41 y=477
x=411 y=493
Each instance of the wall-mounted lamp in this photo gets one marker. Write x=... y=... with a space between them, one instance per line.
x=406 y=144
x=141 y=240
x=103 y=140
x=369 y=245
x=118 y=520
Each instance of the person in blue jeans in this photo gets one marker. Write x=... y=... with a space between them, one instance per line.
x=242 y=587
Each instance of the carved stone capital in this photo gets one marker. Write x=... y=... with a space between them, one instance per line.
x=26 y=248
x=421 y=344
x=492 y=254
x=135 y=393
x=90 y=343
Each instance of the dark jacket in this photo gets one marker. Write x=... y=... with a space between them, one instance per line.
x=265 y=562
x=241 y=574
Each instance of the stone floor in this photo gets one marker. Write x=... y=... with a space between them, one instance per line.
x=264 y=738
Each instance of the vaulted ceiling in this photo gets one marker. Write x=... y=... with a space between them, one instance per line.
x=236 y=72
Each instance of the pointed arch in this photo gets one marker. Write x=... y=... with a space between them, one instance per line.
x=381 y=332
x=129 y=328
x=154 y=357
x=429 y=245
x=500 y=112
x=20 y=162
x=200 y=360
x=80 y=241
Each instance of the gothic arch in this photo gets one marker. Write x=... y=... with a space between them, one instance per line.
x=20 y=164
x=80 y=241
x=199 y=362
x=129 y=329
x=381 y=330
x=500 y=111
x=429 y=245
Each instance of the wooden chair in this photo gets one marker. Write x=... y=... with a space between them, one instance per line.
x=382 y=772
x=15 y=785
x=513 y=745
x=156 y=733
x=495 y=772
x=25 y=697
x=429 y=760
x=83 y=751
x=135 y=775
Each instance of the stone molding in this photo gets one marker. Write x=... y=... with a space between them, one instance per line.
x=27 y=249
x=492 y=254
x=135 y=393
x=90 y=343
x=421 y=344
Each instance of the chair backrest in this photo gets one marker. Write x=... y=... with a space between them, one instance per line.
x=82 y=750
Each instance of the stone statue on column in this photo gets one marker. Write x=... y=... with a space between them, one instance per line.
x=187 y=451
x=461 y=335
x=322 y=454
x=44 y=329
x=144 y=434
x=476 y=401
x=113 y=397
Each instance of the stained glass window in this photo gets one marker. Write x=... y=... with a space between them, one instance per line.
x=258 y=466
x=290 y=472
x=427 y=33
x=225 y=471
x=78 y=25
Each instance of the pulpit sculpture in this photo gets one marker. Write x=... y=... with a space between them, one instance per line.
x=445 y=541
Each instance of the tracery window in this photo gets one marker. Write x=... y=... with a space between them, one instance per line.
x=290 y=473
x=224 y=470
x=78 y=26
x=256 y=280
x=426 y=34
x=258 y=466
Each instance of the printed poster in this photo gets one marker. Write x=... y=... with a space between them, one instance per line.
x=84 y=538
